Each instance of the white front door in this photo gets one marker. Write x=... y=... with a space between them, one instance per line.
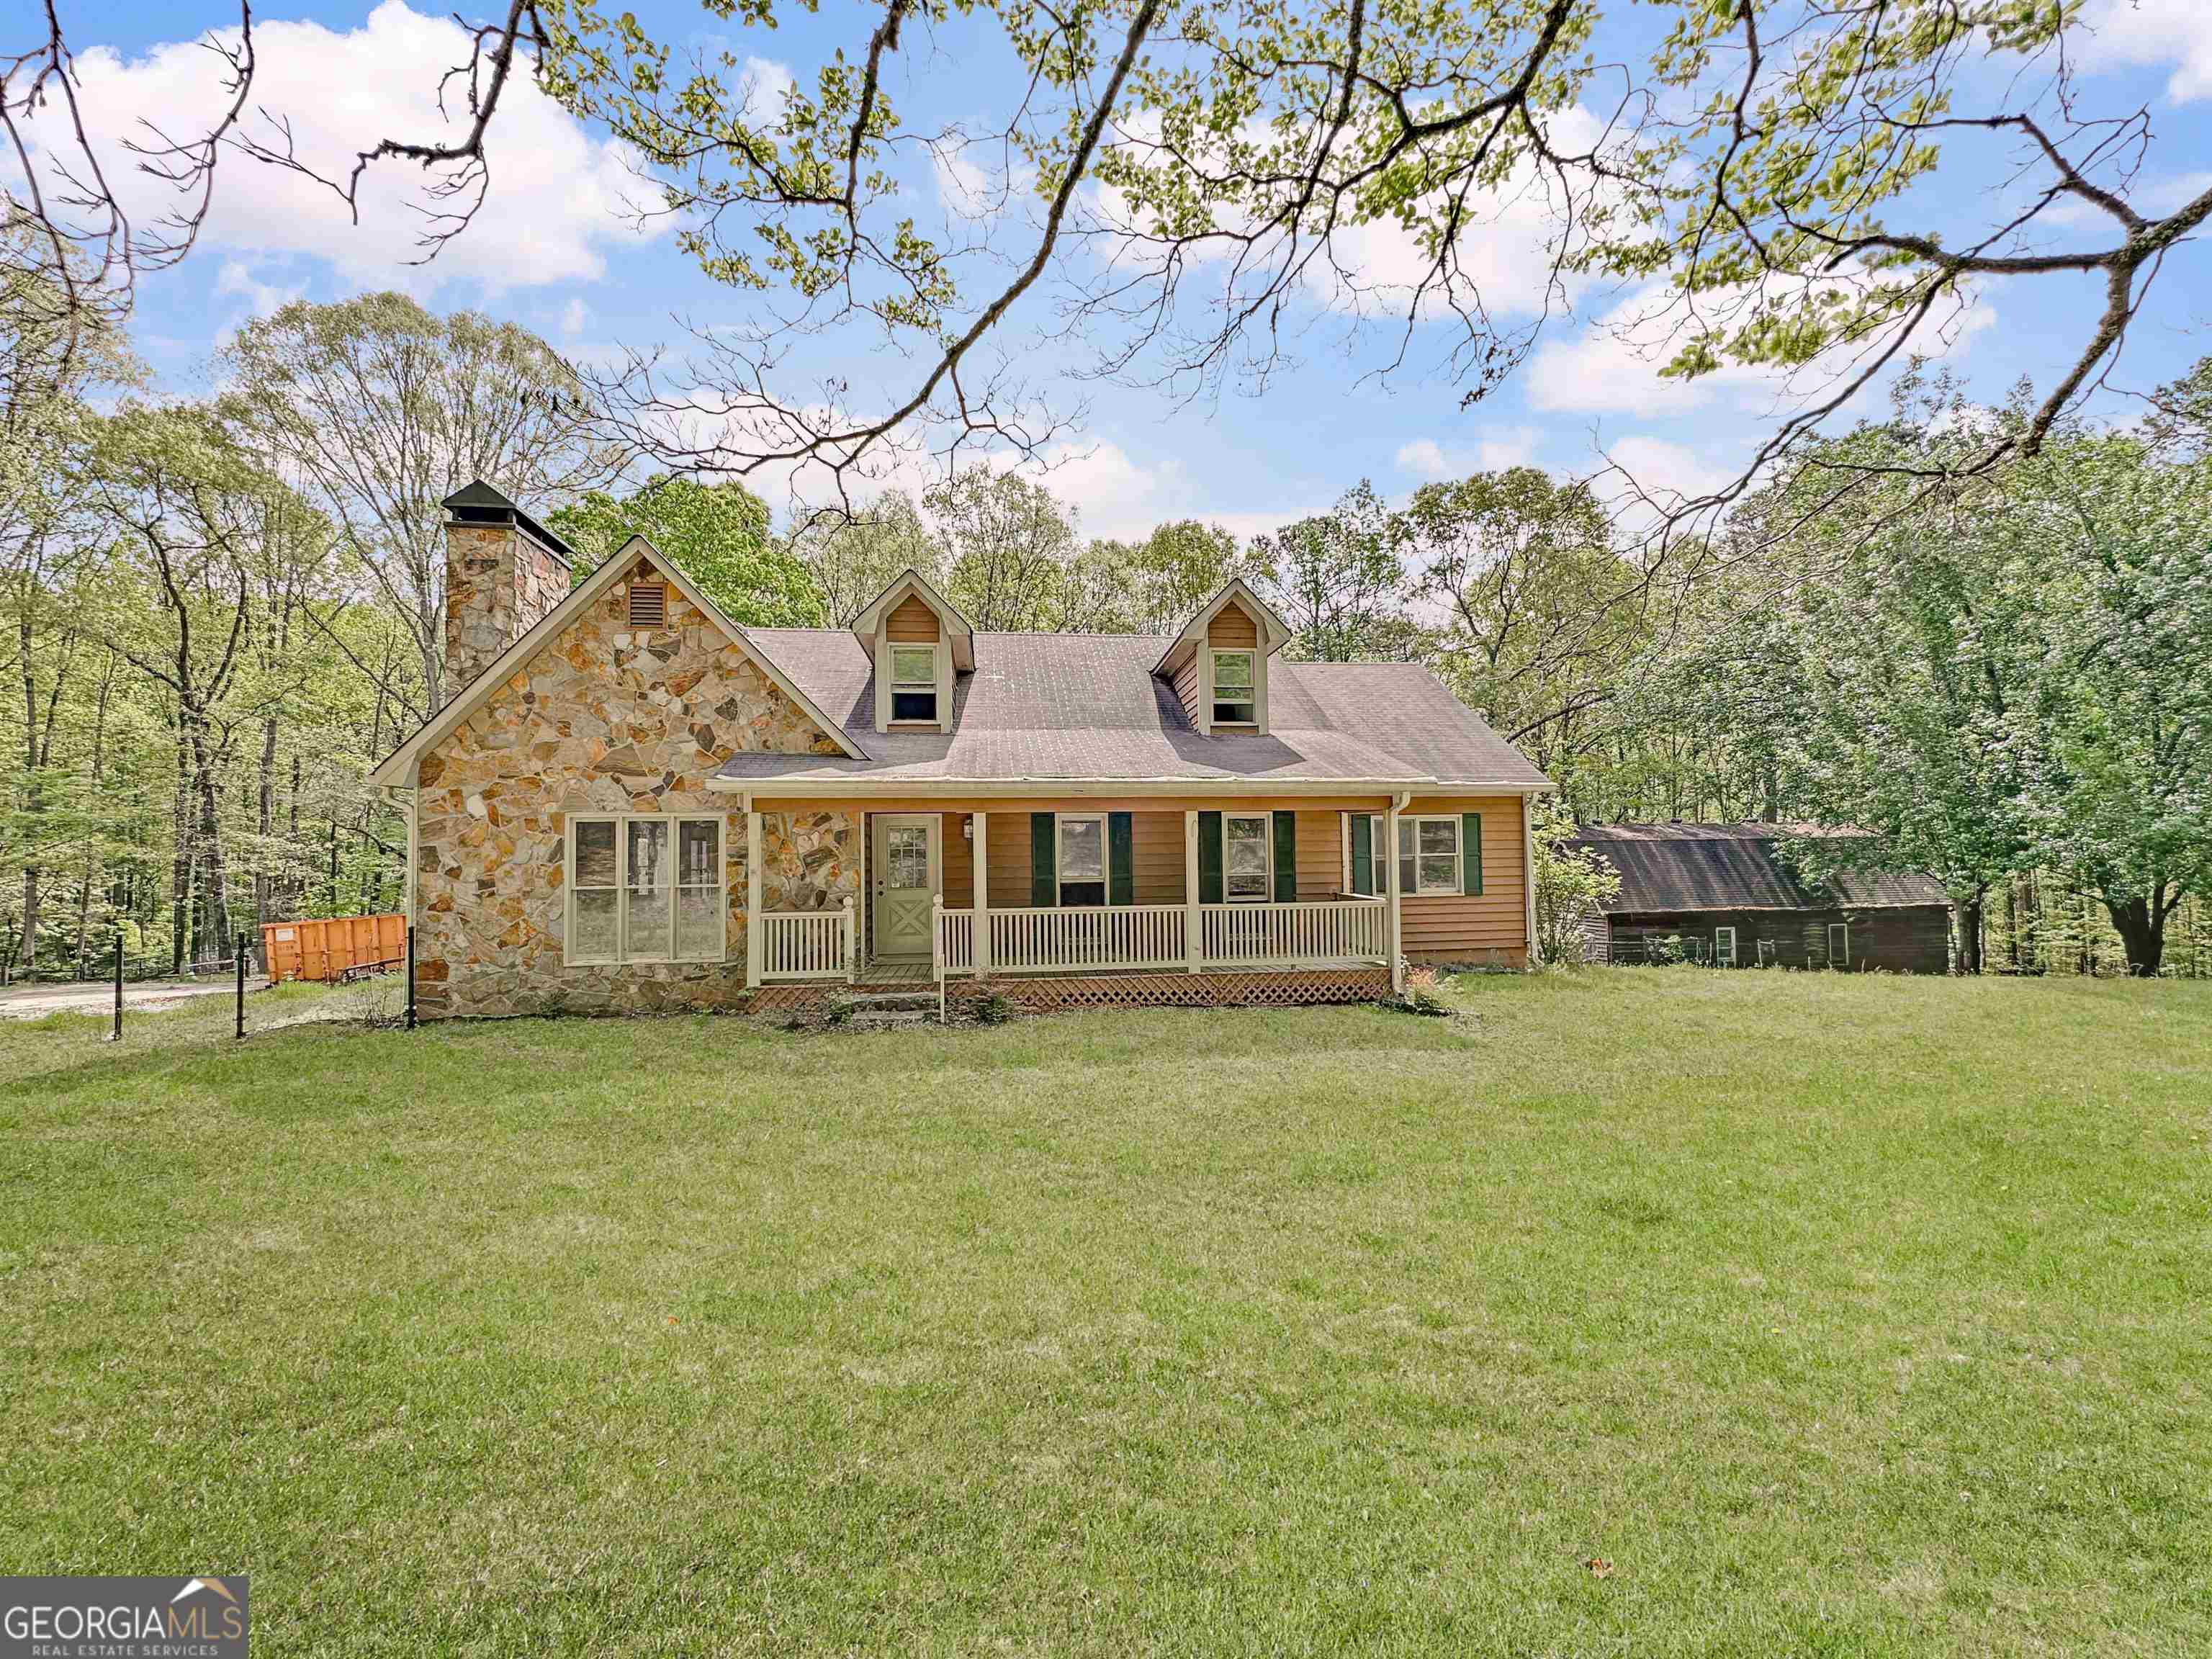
x=906 y=861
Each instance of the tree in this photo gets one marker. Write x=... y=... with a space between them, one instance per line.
x=1008 y=541
x=1525 y=570
x=853 y=558
x=382 y=409
x=1337 y=579
x=716 y=534
x=1179 y=567
x=2118 y=729
x=1572 y=883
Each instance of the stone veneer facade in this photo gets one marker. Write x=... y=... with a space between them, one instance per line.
x=603 y=719
x=501 y=582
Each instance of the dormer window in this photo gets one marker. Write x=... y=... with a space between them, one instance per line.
x=1234 y=699
x=914 y=684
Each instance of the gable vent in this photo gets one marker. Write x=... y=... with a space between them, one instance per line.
x=648 y=605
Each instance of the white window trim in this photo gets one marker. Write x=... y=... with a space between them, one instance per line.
x=934 y=685
x=1829 y=939
x=622 y=821
x=1459 y=855
x=1059 y=822
x=1267 y=893
x=1214 y=653
x=1733 y=959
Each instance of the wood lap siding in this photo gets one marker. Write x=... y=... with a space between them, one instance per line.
x=960 y=862
x=1233 y=628
x=1320 y=855
x=912 y=624
x=1469 y=927
x=1186 y=687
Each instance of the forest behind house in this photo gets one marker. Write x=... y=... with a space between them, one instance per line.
x=221 y=611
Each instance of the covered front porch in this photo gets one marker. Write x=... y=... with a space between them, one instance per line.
x=1239 y=898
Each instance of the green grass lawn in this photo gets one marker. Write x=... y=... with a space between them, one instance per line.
x=1838 y=1314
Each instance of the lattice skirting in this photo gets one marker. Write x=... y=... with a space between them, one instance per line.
x=1287 y=988
x=1284 y=989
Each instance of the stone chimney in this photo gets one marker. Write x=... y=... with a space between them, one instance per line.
x=504 y=571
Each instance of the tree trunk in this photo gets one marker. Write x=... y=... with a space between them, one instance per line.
x=2141 y=924
x=180 y=867
x=1970 y=932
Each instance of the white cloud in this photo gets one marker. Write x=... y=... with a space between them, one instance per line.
x=263 y=298
x=1113 y=496
x=1509 y=446
x=1665 y=472
x=574 y=316
x=557 y=197
x=1612 y=366
x=2153 y=34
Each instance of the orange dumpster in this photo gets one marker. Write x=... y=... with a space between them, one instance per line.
x=337 y=948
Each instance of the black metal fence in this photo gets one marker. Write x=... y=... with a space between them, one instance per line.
x=242 y=965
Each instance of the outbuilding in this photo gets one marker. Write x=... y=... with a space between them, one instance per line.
x=1728 y=893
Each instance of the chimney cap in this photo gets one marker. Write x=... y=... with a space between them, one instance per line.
x=479 y=502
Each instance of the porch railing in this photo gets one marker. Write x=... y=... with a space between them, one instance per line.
x=1027 y=941
x=1263 y=935
x=1156 y=936
x=808 y=943
x=956 y=942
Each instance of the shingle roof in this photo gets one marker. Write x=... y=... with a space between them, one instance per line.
x=1737 y=867
x=1088 y=706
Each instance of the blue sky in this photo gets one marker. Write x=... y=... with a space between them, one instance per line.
x=553 y=251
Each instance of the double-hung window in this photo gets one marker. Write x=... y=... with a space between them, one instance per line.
x=1428 y=854
x=913 y=682
x=1246 y=863
x=645 y=888
x=1234 y=701
x=1082 y=858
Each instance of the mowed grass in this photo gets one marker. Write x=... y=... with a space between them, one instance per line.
x=1837 y=1315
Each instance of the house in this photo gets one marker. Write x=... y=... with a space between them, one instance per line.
x=1731 y=897
x=627 y=803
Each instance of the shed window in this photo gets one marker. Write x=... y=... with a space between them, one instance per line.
x=1082 y=858
x=913 y=682
x=1428 y=854
x=1839 y=944
x=1246 y=863
x=1723 y=947
x=649 y=604
x=646 y=889
x=1234 y=699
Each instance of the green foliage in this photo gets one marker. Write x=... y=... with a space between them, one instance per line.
x=1572 y=883
x=717 y=534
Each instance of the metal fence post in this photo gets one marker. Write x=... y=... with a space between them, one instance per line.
x=240 y=954
x=411 y=975
x=116 y=1035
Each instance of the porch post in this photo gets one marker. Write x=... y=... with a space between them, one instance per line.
x=983 y=862
x=752 y=898
x=1395 y=931
x=1191 y=918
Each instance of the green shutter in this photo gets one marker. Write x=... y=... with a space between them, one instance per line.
x=1363 y=853
x=1121 y=859
x=1470 y=852
x=1209 y=858
x=1044 y=861
x=1287 y=857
